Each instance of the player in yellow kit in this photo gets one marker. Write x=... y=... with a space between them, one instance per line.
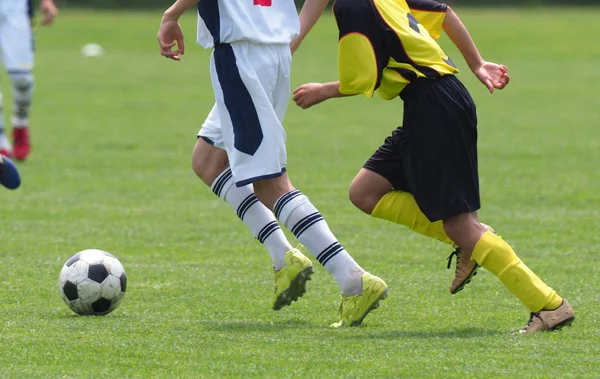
x=425 y=175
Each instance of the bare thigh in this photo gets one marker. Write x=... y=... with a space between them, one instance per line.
x=367 y=189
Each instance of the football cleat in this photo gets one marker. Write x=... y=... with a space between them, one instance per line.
x=354 y=309
x=547 y=321
x=465 y=270
x=21 y=143
x=290 y=281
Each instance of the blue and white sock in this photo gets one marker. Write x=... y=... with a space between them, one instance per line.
x=297 y=213
x=258 y=218
x=22 y=82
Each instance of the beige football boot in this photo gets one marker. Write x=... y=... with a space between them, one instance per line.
x=465 y=270
x=547 y=321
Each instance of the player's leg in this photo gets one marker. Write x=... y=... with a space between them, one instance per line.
x=5 y=145
x=361 y=291
x=375 y=195
x=548 y=310
x=210 y=163
x=307 y=224
x=18 y=60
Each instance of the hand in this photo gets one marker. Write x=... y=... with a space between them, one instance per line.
x=492 y=75
x=49 y=10
x=309 y=94
x=169 y=35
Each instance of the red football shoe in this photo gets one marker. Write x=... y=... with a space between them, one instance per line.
x=21 y=143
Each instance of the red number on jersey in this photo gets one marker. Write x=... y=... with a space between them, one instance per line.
x=263 y=3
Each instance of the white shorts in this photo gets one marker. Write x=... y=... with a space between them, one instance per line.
x=16 y=44
x=252 y=90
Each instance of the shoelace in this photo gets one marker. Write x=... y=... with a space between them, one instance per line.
x=531 y=316
x=455 y=253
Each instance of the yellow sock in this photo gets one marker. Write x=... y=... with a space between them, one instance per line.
x=400 y=207
x=493 y=253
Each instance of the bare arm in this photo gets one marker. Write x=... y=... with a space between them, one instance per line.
x=311 y=94
x=178 y=8
x=459 y=34
x=310 y=13
x=492 y=75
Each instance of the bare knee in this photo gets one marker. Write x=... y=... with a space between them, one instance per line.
x=208 y=161
x=363 y=199
x=269 y=190
x=367 y=189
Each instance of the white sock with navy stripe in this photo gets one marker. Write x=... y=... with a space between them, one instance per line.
x=22 y=81
x=297 y=213
x=258 y=218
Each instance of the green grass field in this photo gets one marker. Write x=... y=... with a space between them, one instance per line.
x=110 y=169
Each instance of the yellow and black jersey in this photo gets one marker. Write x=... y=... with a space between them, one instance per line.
x=386 y=44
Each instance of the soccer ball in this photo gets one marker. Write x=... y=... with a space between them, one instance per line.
x=92 y=50
x=92 y=282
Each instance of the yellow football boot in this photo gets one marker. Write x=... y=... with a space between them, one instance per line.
x=290 y=281
x=354 y=309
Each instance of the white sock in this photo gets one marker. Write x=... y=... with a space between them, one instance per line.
x=258 y=218
x=22 y=82
x=297 y=213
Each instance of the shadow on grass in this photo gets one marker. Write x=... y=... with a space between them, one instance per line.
x=349 y=333
x=258 y=326
x=463 y=333
x=74 y=316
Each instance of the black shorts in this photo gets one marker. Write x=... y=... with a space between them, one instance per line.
x=433 y=155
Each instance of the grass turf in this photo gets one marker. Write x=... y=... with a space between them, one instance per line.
x=110 y=169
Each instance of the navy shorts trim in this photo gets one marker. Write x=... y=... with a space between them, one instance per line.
x=207 y=140
x=19 y=71
x=244 y=182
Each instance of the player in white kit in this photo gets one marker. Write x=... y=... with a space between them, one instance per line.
x=241 y=153
x=16 y=50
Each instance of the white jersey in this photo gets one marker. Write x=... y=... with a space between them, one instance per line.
x=258 y=21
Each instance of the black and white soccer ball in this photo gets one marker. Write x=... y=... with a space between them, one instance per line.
x=92 y=282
